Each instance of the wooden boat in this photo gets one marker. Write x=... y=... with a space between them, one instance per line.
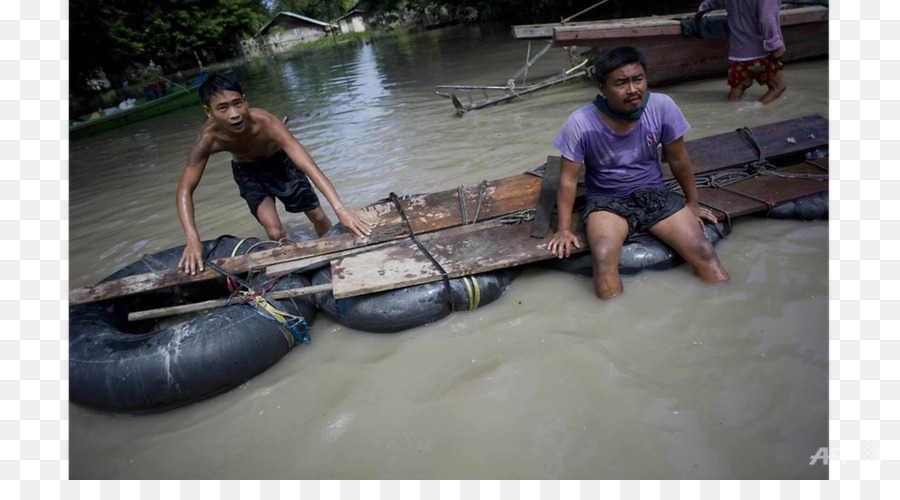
x=179 y=98
x=674 y=57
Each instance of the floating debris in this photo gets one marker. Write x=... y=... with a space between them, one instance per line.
x=791 y=140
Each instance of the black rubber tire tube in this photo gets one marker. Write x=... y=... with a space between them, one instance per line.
x=116 y=365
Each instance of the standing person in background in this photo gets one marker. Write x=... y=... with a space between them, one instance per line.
x=755 y=45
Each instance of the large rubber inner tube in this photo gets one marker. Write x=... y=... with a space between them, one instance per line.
x=404 y=308
x=812 y=207
x=644 y=252
x=121 y=366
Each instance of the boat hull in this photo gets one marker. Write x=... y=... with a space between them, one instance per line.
x=157 y=107
x=672 y=57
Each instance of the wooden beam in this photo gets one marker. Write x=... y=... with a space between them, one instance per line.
x=549 y=187
x=165 y=312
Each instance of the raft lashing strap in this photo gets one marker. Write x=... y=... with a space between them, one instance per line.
x=258 y=300
x=762 y=166
x=434 y=262
x=722 y=178
x=296 y=325
x=463 y=206
x=232 y=286
x=473 y=291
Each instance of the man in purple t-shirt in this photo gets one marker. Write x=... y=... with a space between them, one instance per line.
x=616 y=139
x=755 y=45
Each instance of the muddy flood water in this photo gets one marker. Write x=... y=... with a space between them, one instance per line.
x=674 y=379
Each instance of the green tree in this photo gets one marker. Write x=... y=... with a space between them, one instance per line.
x=322 y=10
x=111 y=36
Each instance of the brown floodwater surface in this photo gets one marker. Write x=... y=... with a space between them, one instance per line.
x=673 y=379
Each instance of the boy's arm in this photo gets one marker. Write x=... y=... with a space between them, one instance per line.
x=298 y=154
x=192 y=257
x=680 y=163
x=563 y=240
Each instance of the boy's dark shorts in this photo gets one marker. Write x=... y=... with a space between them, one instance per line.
x=642 y=208
x=278 y=177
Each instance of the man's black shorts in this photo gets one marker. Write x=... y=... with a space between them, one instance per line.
x=642 y=208
x=278 y=177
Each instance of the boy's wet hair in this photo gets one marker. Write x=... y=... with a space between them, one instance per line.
x=614 y=59
x=218 y=84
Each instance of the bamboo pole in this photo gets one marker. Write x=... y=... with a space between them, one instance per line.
x=212 y=304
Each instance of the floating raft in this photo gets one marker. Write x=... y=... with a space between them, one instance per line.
x=482 y=227
x=490 y=246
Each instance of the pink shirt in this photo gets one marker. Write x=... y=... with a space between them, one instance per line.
x=753 y=28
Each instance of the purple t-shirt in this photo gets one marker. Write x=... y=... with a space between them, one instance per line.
x=753 y=27
x=616 y=164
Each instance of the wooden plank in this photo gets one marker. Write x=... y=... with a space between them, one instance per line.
x=753 y=195
x=426 y=213
x=461 y=253
x=165 y=312
x=778 y=140
x=547 y=200
x=778 y=190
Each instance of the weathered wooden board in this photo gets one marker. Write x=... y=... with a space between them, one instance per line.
x=460 y=251
x=771 y=189
x=778 y=140
x=426 y=213
x=547 y=199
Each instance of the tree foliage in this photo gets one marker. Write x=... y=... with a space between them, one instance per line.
x=112 y=36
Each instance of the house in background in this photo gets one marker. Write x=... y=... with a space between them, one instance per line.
x=354 y=20
x=284 y=31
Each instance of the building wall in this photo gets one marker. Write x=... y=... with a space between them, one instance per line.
x=295 y=32
x=353 y=24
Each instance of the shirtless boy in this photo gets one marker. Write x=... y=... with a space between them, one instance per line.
x=268 y=162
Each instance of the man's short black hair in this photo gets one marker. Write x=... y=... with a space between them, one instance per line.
x=614 y=59
x=218 y=84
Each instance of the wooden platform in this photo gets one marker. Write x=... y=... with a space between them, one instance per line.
x=473 y=249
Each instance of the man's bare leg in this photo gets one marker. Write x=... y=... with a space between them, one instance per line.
x=268 y=217
x=682 y=232
x=606 y=232
x=319 y=219
x=776 y=88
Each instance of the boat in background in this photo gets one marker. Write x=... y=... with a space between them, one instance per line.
x=181 y=97
x=672 y=55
